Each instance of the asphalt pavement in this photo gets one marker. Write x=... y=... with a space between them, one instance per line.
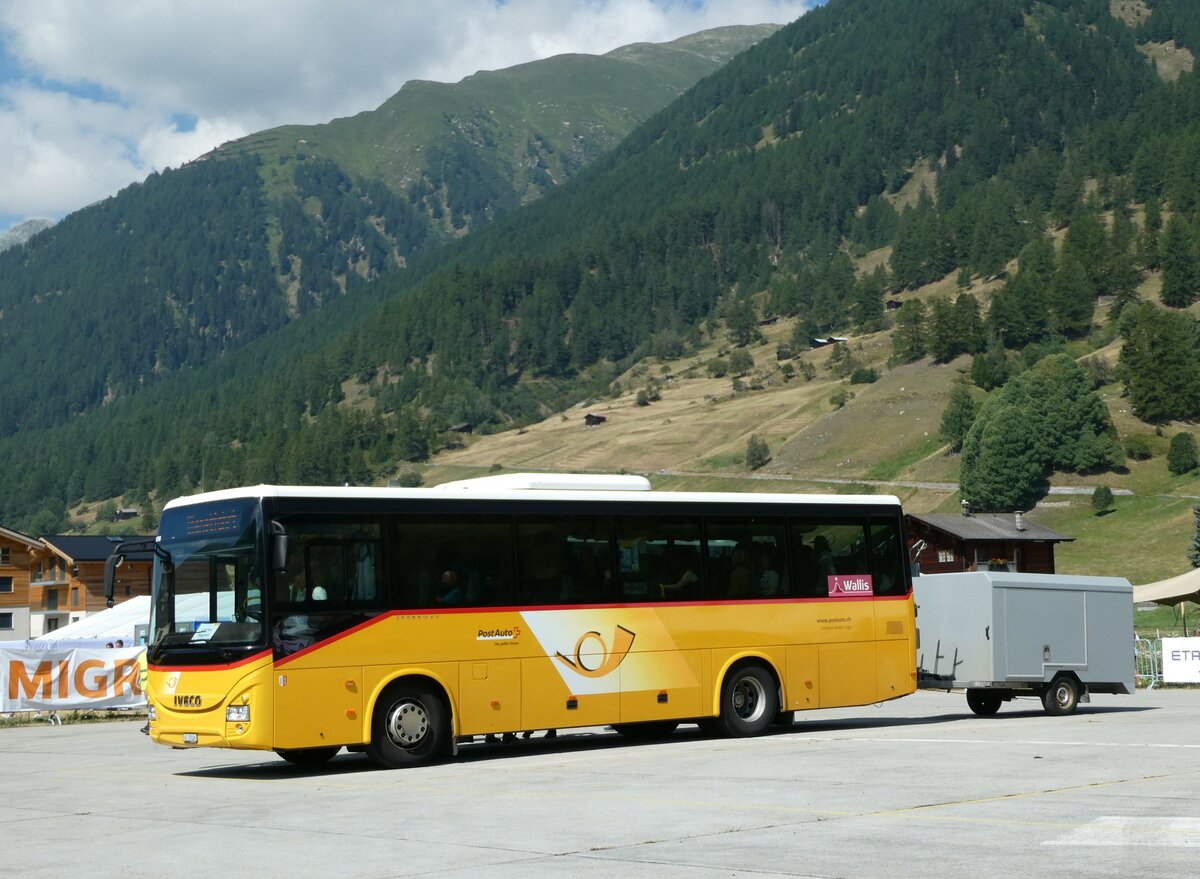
x=918 y=787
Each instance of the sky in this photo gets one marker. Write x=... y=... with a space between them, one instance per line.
x=99 y=94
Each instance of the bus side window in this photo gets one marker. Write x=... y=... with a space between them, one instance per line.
x=659 y=558
x=565 y=560
x=747 y=558
x=887 y=557
x=453 y=560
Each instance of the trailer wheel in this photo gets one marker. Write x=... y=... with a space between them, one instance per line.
x=749 y=701
x=409 y=726
x=985 y=703
x=1062 y=696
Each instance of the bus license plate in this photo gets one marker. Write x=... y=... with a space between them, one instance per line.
x=189 y=738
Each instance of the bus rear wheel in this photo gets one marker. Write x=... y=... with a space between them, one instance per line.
x=307 y=756
x=408 y=727
x=749 y=701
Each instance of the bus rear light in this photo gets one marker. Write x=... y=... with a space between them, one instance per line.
x=238 y=713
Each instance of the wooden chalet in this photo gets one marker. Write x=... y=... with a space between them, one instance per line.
x=16 y=550
x=942 y=544
x=67 y=578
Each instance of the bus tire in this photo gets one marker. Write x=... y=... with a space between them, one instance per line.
x=749 y=701
x=307 y=756
x=646 y=731
x=409 y=726
x=985 y=703
x=1062 y=696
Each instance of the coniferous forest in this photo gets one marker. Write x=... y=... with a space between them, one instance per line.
x=323 y=332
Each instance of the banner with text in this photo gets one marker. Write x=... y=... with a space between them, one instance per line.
x=1181 y=660
x=48 y=680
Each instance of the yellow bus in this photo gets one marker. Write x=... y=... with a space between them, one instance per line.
x=402 y=622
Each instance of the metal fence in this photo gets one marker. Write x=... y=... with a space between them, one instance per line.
x=1149 y=662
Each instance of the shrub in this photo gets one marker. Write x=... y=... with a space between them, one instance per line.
x=758 y=452
x=1102 y=499
x=864 y=375
x=740 y=362
x=1138 y=448
x=1182 y=457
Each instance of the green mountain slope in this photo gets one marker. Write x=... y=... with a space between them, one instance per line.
x=194 y=263
x=506 y=135
x=752 y=196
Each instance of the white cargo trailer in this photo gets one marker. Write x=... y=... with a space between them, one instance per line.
x=998 y=635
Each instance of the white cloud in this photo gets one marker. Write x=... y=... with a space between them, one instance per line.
x=129 y=67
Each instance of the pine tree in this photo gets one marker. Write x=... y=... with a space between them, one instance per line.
x=1072 y=297
x=1180 y=274
x=908 y=339
x=1158 y=363
x=958 y=417
x=1148 y=241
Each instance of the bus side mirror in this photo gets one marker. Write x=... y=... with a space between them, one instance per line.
x=279 y=547
x=111 y=564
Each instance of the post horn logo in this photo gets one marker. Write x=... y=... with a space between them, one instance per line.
x=609 y=659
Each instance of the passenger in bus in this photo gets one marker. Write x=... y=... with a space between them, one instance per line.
x=298 y=590
x=451 y=589
x=768 y=575
x=823 y=559
x=741 y=575
x=682 y=571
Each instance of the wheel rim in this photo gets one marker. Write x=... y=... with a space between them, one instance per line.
x=1062 y=696
x=407 y=724
x=749 y=699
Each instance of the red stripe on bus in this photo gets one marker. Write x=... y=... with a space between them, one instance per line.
x=219 y=667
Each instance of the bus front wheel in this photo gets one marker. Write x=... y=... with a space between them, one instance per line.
x=409 y=726
x=749 y=701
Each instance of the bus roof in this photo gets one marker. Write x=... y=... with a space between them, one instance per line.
x=539 y=486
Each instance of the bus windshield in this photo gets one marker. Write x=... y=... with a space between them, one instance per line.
x=210 y=592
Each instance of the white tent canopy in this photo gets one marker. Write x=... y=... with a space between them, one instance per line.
x=1185 y=587
x=107 y=625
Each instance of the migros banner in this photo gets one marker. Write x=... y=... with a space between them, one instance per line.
x=46 y=680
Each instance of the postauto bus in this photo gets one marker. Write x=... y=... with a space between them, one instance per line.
x=401 y=622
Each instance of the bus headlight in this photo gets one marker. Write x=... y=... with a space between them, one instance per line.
x=238 y=713
x=151 y=714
